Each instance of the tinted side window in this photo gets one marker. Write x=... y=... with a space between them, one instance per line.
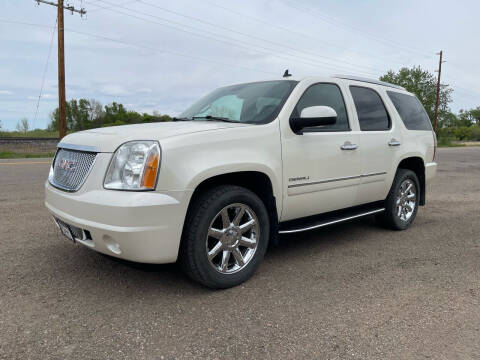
x=324 y=95
x=372 y=114
x=411 y=111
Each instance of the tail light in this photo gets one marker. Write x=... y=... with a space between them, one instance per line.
x=434 y=145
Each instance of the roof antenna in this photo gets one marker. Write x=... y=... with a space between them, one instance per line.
x=286 y=74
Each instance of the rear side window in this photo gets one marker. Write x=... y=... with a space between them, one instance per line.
x=371 y=112
x=411 y=111
x=327 y=95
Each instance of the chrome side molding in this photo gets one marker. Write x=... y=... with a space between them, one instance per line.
x=337 y=179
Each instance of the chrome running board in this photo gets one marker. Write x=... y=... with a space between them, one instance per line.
x=327 y=219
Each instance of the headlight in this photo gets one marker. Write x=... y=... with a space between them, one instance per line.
x=134 y=166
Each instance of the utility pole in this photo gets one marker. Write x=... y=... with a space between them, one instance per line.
x=437 y=100
x=62 y=102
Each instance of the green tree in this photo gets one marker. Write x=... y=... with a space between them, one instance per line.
x=447 y=119
x=423 y=84
x=87 y=114
x=78 y=115
x=115 y=112
x=470 y=117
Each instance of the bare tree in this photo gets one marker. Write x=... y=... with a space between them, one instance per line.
x=23 y=125
x=96 y=112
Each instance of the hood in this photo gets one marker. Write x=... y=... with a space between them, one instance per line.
x=108 y=139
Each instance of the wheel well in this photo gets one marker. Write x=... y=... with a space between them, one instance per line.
x=255 y=181
x=418 y=167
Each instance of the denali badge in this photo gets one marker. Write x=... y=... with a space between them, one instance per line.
x=66 y=164
x=298 y=178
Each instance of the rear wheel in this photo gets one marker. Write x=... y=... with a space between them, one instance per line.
x=225 y=236
x=402 y=203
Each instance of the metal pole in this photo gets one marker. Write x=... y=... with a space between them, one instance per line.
x=437 y=100
x=62 y=116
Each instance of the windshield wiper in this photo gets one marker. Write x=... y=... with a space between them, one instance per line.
x=214 y=118
x=181 y=119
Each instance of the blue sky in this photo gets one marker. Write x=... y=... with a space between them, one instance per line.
x=154 y=55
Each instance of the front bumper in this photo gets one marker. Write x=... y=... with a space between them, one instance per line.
x=137 y=226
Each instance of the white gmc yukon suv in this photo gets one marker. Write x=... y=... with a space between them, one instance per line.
x=246 y=162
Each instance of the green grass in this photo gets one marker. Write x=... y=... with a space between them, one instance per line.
x=447 y=141
x=450 y=145
x=14 y=155
x=33 y=133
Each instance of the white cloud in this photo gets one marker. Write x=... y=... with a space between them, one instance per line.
x=144 y=90
x=44 y=97
x=5 y=92
x=114 y=90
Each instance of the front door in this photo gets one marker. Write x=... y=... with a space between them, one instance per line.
x=321 y=168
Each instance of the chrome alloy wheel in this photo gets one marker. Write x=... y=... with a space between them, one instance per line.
x=406 y=200
x=232 y=238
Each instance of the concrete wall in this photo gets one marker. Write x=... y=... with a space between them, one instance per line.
x=29 y=145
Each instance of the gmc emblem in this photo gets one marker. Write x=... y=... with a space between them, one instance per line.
x=66 y=164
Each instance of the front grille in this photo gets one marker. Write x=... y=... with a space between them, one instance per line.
x=70 y=168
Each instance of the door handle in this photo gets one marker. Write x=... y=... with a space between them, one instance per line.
x=348 y=146
x=394 y=142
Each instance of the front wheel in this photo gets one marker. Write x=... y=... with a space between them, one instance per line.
x=402 y=203
x=225 y=236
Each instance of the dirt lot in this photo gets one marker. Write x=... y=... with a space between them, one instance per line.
x=352 y=291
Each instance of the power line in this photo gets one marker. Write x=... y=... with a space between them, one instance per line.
x=349 y=27
x=206 y=60
x=469 y=91
x=180 y=29
x=111 y=7
x=280 y=28
x=176 y=53
x=282 y=45
x=45 y=72
x=301 y=34
x=237 y=42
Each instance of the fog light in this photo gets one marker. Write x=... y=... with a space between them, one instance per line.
x=111 y=244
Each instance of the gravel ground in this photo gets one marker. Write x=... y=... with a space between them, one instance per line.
x=351 y=291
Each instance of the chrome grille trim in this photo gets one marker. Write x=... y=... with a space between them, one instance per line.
x=73 y=179
x=86 y=148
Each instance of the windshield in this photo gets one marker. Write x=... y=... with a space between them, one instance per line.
x=257 y=103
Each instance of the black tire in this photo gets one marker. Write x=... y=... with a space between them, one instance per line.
x=203 y=211
x=390 y=217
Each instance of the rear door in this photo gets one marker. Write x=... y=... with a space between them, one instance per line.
x=380 y=142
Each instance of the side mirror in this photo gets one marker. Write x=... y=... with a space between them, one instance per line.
x=313 y=116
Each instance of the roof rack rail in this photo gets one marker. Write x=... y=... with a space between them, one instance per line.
x=367 y=80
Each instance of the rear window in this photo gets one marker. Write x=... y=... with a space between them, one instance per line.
x=371 y=112
x=411 y=111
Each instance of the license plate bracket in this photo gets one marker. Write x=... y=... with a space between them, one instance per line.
x=65 y=230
